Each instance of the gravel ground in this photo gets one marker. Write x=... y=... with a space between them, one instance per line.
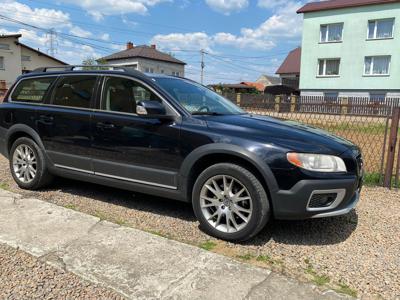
x=23 y=276
x=356 y=253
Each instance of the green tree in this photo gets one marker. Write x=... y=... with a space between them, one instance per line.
x=90 y=63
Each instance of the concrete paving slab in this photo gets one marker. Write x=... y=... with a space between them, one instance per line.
x=39 y=227
x=134 y=263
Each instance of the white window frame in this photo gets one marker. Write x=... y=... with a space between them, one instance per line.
x=376 y=28
x=372 y=65
x=325 y=41
x=2 y=64
x=324 y=68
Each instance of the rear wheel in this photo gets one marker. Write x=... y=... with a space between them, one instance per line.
x=27 y=164
x=230 y=202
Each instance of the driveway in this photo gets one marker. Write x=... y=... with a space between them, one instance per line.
x=133 y=263
x=357 y=254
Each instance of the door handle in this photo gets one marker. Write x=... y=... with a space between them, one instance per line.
x=106 y=125
x=46 y=119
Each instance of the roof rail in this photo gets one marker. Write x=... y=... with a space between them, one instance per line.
x=73 y=67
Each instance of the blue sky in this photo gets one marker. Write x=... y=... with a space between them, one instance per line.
x=243 y=39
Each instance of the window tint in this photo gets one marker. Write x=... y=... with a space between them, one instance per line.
x=32 y=90
x=75 y=91
x=123 y=95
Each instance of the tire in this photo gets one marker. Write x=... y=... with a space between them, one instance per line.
x=222 y=213
x=35 y=160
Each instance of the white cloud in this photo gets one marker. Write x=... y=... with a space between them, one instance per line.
x=188 y=41
x=283 y=23
x=76 y=30
x=227 y=6
x=41 y=17
x=67 y=51
x=244 y=41
x=100 y=8
x=105 y=37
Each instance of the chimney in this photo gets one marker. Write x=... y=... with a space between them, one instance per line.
x=153 y=46
x=129 y=45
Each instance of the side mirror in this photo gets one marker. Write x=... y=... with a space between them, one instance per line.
x=148 y=107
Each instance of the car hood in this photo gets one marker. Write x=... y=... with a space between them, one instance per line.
x=283 y=133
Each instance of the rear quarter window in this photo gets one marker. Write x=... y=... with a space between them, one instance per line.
x=32 y=90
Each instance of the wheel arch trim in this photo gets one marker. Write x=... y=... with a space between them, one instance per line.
x=21 y=128
x=234 y=150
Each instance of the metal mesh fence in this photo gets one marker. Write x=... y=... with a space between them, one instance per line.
x=366 y=123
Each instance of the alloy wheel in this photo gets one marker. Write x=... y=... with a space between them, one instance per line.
x=226 y=203
x=24 y=163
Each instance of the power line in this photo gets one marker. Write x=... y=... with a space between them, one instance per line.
x=144 y=22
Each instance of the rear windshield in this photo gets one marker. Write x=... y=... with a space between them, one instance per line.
x=32 y=90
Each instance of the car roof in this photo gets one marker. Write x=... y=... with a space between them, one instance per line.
x=127 y=72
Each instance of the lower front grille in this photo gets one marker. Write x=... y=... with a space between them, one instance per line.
x=325 y=199
x=322 y=200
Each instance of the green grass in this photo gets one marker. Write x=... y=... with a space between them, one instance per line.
x=100 y=215
x=374 y=179
x=208 y=245
x=316 y=278
x=368 y=128
x=247 y=256
x=70 y=206
x=4 y=186
x=121 y=222
x=264 y=258
x=345 y=289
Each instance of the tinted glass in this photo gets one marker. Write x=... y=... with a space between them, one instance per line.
x=74 y=91
x=196 y=98
x=123 y=95
x=32 y=90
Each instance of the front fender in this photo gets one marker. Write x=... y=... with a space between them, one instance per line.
x=219 y=148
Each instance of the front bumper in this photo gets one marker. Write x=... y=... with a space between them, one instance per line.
x=293 y=204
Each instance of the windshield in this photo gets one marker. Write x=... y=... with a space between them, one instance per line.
x=197 y=99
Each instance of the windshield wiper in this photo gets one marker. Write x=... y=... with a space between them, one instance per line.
x=207 y=113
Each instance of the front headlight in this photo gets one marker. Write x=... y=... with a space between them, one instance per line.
x=317 y=162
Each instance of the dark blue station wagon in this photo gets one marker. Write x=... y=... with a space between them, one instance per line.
x=172 y=137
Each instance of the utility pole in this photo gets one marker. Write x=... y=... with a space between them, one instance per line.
x=51 y=42
x=202 y=66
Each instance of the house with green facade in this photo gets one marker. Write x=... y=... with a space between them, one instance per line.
x=351 y=48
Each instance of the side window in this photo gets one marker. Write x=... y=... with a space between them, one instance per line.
x=74 y=91
x=32 y=90
x=123 y=95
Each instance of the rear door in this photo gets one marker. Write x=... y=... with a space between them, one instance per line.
x=65 y=123
x=132 y=147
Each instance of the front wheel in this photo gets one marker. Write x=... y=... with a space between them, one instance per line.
x=230 y=202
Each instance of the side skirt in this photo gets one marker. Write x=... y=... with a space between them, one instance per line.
x=174 y=194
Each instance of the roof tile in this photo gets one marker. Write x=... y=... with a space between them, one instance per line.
x=336 y=4
x=143 y=52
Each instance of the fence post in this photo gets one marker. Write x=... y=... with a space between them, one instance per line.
x=238 y=96
x=293 y=100
x=344 y=105
x=387 y=182
x=277 y=103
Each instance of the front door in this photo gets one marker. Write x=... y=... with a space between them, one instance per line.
x=132 y=147
x=65 y=126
